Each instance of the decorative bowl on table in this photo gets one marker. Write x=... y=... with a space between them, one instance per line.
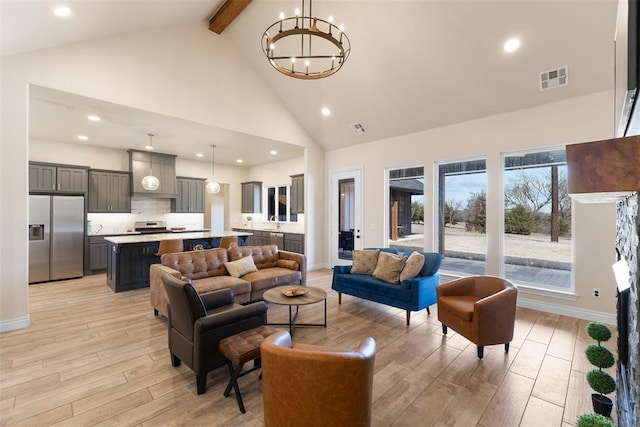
x=293 y=291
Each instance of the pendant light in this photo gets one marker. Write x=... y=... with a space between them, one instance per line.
x=150 y=182
x=212 y=186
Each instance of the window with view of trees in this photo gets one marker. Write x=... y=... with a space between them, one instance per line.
x=462 y=205
x=278 y=204
x=537 y=219
x=406 y=209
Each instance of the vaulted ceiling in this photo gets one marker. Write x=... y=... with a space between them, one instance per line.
x=415 y=64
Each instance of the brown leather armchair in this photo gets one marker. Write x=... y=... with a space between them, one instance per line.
x=480 y=308
x=311 y=385
x=197 y=323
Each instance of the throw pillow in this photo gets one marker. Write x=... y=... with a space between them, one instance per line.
x=364 y=261
x=413 y=266
x=241 y=267
x=389 y=267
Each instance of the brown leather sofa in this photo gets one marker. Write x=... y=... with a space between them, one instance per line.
x=198 y=323
x=309 y=385
x=480 y=308
x=206 y=271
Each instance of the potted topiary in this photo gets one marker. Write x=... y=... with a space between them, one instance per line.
x=594 y=420
x=601 y=357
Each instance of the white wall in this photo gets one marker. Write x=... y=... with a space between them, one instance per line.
x=186 y=72
x=576 y=120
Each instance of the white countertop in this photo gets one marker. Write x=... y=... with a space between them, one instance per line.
x=144 y=238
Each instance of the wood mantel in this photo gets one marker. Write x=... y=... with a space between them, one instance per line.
x=604 y=171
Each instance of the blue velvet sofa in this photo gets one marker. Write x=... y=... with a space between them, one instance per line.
x=410 y=294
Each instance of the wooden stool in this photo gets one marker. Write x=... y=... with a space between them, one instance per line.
x=240 y=349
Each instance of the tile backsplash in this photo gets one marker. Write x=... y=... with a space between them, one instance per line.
x=259 y=222
x=142 y=209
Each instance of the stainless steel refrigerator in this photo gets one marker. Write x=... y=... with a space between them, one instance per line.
x=56 y=237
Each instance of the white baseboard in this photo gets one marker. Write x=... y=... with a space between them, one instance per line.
x=13 y=324
x=318 y=266
x=579 y=313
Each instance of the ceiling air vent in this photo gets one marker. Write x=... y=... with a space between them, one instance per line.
x=554 y=78
x=357 y=128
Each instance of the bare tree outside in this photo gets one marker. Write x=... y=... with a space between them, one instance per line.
x=453 y=211
x=543 y=192
x=477 y=212
x=531 y=191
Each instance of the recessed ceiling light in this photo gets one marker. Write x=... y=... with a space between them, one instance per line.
x=62 y=11
x=511 y=45
x=83 y=137
x=273 y=152
x=239 y=161
x=93 y=118
x=326 y=111
x=148 y=147
x=199 y=155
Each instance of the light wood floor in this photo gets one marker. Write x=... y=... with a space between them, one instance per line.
x=92 y=357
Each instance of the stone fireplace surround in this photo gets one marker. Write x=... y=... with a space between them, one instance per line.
x=628 y=371
x=607 y=172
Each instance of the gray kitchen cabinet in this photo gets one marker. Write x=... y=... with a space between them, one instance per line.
x=251 y=197
x=97 y=254
x=294 y=242
x=52 y=178
x=42 y=177
x=109 y=192
x=190 y=197
x=297 y=194
x=163 y=167
x=260 y=238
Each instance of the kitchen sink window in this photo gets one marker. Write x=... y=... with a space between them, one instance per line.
x=279 y=204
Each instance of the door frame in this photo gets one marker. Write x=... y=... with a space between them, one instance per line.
x=335 y=176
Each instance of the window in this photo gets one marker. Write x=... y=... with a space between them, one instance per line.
x=279 y=204
x=406 y=209
x=537 y=219
x=462 y=235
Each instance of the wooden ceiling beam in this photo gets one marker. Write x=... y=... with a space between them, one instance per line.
x=224 y=16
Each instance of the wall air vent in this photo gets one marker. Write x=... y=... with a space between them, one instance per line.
x=554 y=78
x=357 y=128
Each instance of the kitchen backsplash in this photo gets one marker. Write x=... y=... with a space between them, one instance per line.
x=142 y=209
x=259 y=222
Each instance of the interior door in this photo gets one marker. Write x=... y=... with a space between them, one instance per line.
x=346 y=215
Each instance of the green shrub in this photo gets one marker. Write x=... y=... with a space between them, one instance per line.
x=594 y=420
x=599 y=356
x=600 y=381
x=519 y=220
x=598 y=331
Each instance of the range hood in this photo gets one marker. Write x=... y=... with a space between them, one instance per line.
x=604 y=171
x=164 y=168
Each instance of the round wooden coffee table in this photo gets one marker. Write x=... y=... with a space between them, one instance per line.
x=312 y=295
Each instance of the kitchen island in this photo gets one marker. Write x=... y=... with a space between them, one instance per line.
x=130 y=256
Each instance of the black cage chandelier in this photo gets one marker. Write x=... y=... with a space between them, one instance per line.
x=306 y=47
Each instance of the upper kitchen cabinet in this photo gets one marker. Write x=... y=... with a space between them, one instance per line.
x=190 y=196
x=297 y=194
x=109 y=192
x=163 y=167
x=52 y=178
x=251 y=197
